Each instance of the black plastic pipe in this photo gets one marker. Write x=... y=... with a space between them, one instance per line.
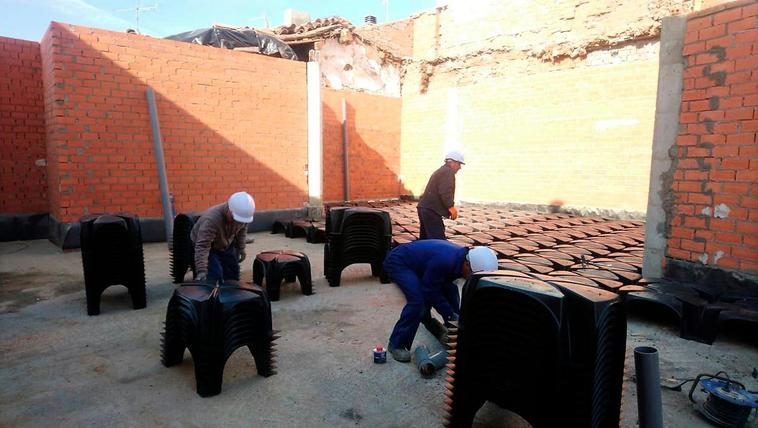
x=649 y=406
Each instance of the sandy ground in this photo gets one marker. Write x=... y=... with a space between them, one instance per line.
x=60 y=367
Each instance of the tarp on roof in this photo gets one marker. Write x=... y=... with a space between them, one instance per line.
x=230 y=38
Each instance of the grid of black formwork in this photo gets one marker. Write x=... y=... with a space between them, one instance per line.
x=599 y=252
x=521 y=339
x=111 y=246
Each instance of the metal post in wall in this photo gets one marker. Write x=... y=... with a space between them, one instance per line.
x=345 y=150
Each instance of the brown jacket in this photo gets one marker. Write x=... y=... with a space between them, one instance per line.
x=213 y=230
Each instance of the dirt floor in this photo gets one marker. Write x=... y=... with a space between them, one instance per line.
x=60 y=367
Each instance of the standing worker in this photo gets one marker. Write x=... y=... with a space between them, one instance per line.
x=219 y=238
x=425 y=270
x=438 y=199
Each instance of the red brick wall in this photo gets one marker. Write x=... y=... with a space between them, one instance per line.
x=717 y=155
x=230 y=121
x=374 y=145
x=23 y=184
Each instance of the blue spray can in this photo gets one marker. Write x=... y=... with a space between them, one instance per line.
x=380 y=354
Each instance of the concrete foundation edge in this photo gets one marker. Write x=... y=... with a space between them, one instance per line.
x=686 y=271
x=66 y=235
x=582 y=211
x=23 y=227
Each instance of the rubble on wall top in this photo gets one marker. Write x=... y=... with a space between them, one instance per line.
x=322 y=27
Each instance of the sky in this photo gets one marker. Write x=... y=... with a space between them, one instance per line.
x=28 y=19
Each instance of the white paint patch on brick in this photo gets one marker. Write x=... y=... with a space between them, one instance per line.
x=603 y=125
x=703 y=258
x=41 y=162
x=706 y=211
x=721 y=211
x=717 y=255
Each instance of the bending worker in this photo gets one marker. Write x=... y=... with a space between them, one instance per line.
x=438 y=199
x=425 y=270
x=219 y=238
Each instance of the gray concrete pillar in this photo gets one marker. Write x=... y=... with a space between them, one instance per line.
x=669 y=99
x=315 y=144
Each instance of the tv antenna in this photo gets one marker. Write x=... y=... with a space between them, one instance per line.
x=138 y=10
x=263 y=18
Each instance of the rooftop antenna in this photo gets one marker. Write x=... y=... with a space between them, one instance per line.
x=138 y=10
x=263 y=17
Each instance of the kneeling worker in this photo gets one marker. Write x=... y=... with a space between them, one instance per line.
x=425 y=270
x=219 y=238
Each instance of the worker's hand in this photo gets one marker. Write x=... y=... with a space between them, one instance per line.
x=243 y=256
x=453 y=213
x=451 y=318
x=202 y=276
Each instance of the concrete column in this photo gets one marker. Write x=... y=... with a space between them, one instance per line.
x=668 y=102
x=315 y=144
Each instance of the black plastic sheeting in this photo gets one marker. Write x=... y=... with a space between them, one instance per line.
x=229 y=38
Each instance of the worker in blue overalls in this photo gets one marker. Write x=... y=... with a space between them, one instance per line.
x=425 y=270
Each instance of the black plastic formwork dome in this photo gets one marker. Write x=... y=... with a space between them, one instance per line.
x=593 y=367
x=551 y=353
x=508 y=348
x=112 y=254
x=355 y=235
x=212 y=321
x=182 y=250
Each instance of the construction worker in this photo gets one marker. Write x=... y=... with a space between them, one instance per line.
x=425 y=270
x=219 y=238
x=438 y=199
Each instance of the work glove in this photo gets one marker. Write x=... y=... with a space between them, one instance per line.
x=202 y=276
x=453 y=213
x=242 y=256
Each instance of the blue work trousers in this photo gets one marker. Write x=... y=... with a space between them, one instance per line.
x=417 y=307
x=224 y=265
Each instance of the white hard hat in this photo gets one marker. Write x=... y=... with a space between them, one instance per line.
x=456 y=156
x=242 y=206
x=482 y=259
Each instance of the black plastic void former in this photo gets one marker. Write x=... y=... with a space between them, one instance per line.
x=522 y=340
x=212 y=321
x=111 y=255
x=230 y=38
x=356 y=235
x=182 y=250
x=277 y=265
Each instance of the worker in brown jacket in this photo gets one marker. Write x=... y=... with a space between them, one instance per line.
x=438 y=199
x=219 y=238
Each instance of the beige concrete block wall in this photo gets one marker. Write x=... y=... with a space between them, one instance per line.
x=550 y=101
x=581 y=136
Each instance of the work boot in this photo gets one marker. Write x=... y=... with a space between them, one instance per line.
x=400 y=354
x=436 y=328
